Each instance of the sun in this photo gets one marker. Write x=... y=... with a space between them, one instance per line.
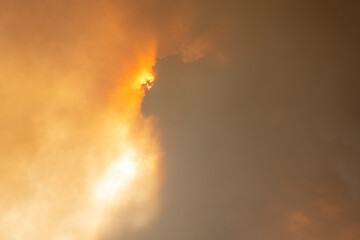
x=146 y=80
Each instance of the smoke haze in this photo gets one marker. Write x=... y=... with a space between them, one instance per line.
x=250 y=131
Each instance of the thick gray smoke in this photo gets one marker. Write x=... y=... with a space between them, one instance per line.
x=263 y=143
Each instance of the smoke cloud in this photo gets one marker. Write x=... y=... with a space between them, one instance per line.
x=250 y=130
x=75 y=149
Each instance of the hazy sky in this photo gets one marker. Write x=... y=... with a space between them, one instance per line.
x=252 y=124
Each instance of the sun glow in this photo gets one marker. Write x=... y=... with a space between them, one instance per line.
x=146 y=79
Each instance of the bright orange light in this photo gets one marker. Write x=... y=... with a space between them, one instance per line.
x=117 y=177
x=146 y=80
x=76 y=150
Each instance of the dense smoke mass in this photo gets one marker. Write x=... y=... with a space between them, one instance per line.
x=75 y=149
x=157 y=119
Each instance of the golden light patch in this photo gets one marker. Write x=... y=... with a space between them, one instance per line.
x=76 y=151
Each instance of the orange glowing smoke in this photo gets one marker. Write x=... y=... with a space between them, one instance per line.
x=75 y=150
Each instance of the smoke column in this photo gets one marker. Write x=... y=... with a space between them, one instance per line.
x=75 y=150
x=257 y=101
